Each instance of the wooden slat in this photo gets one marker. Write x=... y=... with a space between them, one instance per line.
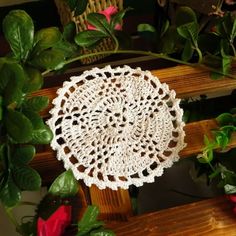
x=45 y=161
x=208 y=217
x=186 y=81
x=114 y=205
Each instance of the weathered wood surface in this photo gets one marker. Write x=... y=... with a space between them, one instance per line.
x=204 y=218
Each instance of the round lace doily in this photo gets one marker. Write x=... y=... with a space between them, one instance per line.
x=116 y=127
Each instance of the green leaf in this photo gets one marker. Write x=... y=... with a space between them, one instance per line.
x=185 y=15
x=189 y=31
x=81 y=7
x=222 y=139
x=36 y=103
x=65 y=185
x=14 y=75
x=34 y=80
x=233 y=31
x=89 y=37
x=169 y=40
x=10 y=194
x=46 y=38
x=102 y=232
x=78 y=6
x=146 y=27
x=117 y=18
x=18 y=29
x=89 y=221
x=99 y=21
x=42 y=135
x=18 y=126
x=187 y=52
x=50 y=59
x=25 y=154
x=67 y=48
x=165 y=26
x=69 y=32
x=26 y=178
x=224 y=119
x=36 y=120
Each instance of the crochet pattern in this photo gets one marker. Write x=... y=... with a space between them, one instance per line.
x=116 y=127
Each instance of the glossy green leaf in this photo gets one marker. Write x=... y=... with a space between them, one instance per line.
x=37 y=103
x=15 y=77
x=185 y=15
x=81 y=7
x=224 y=119
x=99 y=21
x=26 y=178
x=69 y=32
x=222 y=139
x=35 y=119
x=19 y=127
x=46 y=38
x=18 y=29
x=78 y=6
x=65 y=185
x=34 y=80
x=10 y=194
x=42 y=136
x=189 y=31
x=89 y=221
x=50 y=59
x=67 y=48
x=187 y=52
x=24 y=154
x=89 y=37
x=102 y=232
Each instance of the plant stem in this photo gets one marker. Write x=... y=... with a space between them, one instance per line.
x=12 y=219
x=148 y=53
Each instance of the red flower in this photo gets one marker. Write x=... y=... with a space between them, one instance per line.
x=232 y=198
x=55 y=225
x=108 y=12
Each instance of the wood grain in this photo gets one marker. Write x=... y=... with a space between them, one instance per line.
x=208 y=217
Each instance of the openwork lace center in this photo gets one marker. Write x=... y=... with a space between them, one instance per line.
x=116 y=127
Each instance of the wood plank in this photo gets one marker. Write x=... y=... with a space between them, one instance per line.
x=186 y=81
x=208 y=217
x=113 y=205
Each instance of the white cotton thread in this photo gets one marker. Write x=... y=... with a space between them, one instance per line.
x=116 y=127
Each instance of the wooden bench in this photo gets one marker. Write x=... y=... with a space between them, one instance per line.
x=200 y=218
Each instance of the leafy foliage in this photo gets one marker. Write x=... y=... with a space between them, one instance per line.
x=219 y=168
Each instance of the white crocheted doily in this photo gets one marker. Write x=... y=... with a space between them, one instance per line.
x=116 y=127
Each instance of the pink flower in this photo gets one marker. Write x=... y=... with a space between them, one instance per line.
x=55 y=225
x=108 y=12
